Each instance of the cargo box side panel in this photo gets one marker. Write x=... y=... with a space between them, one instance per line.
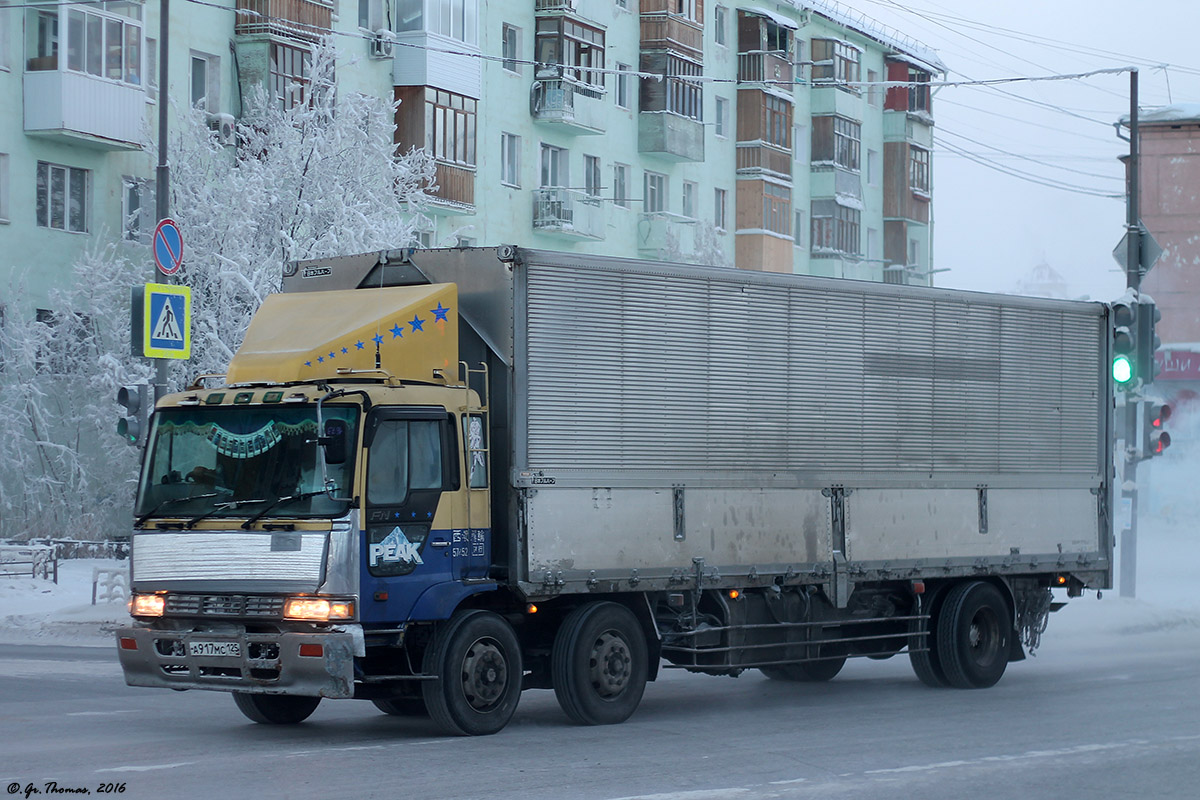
x=661 y=531
x=914 y=525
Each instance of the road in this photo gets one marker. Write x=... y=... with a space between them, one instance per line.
x=1098 y=714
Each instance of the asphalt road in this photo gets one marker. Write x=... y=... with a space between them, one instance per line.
x=1096 y=716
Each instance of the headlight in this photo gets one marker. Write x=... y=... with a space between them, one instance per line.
x=147 y=605
x=317 y=609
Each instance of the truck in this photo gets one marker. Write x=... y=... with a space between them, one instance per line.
x=433 y=479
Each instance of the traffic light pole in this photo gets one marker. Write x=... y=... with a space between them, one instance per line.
x=162 y=174
x=1129 y=494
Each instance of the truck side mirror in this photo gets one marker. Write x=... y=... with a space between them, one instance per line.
x=334 y=441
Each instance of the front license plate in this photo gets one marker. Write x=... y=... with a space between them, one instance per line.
x=217 y=649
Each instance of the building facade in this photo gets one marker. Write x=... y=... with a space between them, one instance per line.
x=754 y=134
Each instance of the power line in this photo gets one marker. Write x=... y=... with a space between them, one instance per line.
x=1033 y=160
x=1026 y=176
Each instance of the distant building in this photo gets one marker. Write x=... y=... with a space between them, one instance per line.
x=1042 y=281
x=746 y=134
x=1170 y=209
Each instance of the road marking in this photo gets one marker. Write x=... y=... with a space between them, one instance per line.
x=100 y=713
x=146 y=767
x=697 y=794
x=785 y=783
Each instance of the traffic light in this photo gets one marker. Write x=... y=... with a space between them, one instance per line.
x=1156 y=438
x=138 y=403
x=1147 y=342
x=1124 y=365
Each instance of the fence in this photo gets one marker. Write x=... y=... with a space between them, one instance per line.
x=33 y=560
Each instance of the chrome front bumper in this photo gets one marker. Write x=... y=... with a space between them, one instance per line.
x=268 y=663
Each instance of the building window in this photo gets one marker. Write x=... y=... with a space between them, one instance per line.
x=137 y=209
x=720 y=200
x=835 y=228
x=106 y=43
x=450 y=127
x=684 y=95
x=4 y=217
x=873 y=170
x=874 y=92
x=152 y=69
x=777 y=209
x=689 y=199
x=919 y=170
x=655 y=193
x=798 y=229
x=510 y=43
x=4 y=34
x=721 y=124
x=62 y=195
x=720 y=25
x=836 y=140
x=621 y=185
x=41 y=40
x=624 y=80
x=578 y=48
x=555 y=168
x=455 y=19
x=687 y=8
x=777 y=121
x=206 y=79
x=914 y=253
x=591 y=177
x=371 y=14
x=510 y=160
x=918 y=94
x=836 y=62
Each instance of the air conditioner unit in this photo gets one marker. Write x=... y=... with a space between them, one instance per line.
x=224 y=127
x=381 y=45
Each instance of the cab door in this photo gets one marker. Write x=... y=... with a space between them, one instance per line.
x=411 y=475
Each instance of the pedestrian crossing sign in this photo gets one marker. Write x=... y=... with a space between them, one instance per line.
x=167 y=321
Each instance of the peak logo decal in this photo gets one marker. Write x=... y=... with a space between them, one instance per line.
x=394 y=549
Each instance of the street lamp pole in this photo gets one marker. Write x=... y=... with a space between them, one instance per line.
x=162 y=174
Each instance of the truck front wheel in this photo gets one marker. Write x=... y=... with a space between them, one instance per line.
x=477 y=659
x=275 y=709
x=599 y=664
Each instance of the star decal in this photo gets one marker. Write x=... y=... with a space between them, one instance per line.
x=397 y=331
x=439 y=313
x=416 y=323
x=358 y=345
x=320 y=359
x=332 y=355
x=345 y=350
x=377 y=339
x=308 y=363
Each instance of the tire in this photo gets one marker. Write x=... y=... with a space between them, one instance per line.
x=275 y=709
x=806 y=671
x=599 y=664
x=403 y=706
x=477 y=659
x=923 y=654
x=974 y=633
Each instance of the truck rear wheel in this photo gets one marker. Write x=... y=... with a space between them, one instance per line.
x=973 y=631
x=599 y=664
x=275 y=709
x=477 y=659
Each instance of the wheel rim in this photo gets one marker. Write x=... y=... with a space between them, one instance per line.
x=983 y=637
x=610 y=665
x=484 y=674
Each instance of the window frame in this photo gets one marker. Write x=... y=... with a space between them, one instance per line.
x=451 y=127
x=510 y=47
x=621 y=197
x=919 y=170
x=720 y=208
x=44 y=207
x=510 y=159
x=655 y=192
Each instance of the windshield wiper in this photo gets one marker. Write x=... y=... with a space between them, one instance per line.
x=170 y=501
x=279 y=500
x=220 y=507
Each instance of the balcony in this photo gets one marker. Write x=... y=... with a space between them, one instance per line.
x=568 y=213
x=670 y=136
x=575 y=107
x=86 y=109
x=455 y=191
x=758 y=157
x=761 y=66
x=902 y=126
x=662 y=234
x=295 y=19
x=663 y=31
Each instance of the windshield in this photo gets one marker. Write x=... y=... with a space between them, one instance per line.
x=235 y=460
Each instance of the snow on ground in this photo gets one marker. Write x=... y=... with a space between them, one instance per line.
x=39 y=611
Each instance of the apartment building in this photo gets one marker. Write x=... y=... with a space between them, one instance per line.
x=754 y=134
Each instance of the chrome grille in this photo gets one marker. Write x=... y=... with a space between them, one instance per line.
x=224 y=605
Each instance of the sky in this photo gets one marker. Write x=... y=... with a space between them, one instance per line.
x=992 y=228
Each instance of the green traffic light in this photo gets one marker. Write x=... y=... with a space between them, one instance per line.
x=1122 y=369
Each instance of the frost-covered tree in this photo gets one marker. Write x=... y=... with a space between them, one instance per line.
x=319 y=179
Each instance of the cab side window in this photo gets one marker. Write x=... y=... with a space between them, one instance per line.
x=405 y=455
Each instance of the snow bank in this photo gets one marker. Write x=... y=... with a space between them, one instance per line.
x=38 y=611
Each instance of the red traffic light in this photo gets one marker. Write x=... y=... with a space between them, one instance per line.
x=1157 y=414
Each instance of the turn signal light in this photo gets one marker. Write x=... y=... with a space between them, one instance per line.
x=147 y=605
x=317 y=609
x=734 y=594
